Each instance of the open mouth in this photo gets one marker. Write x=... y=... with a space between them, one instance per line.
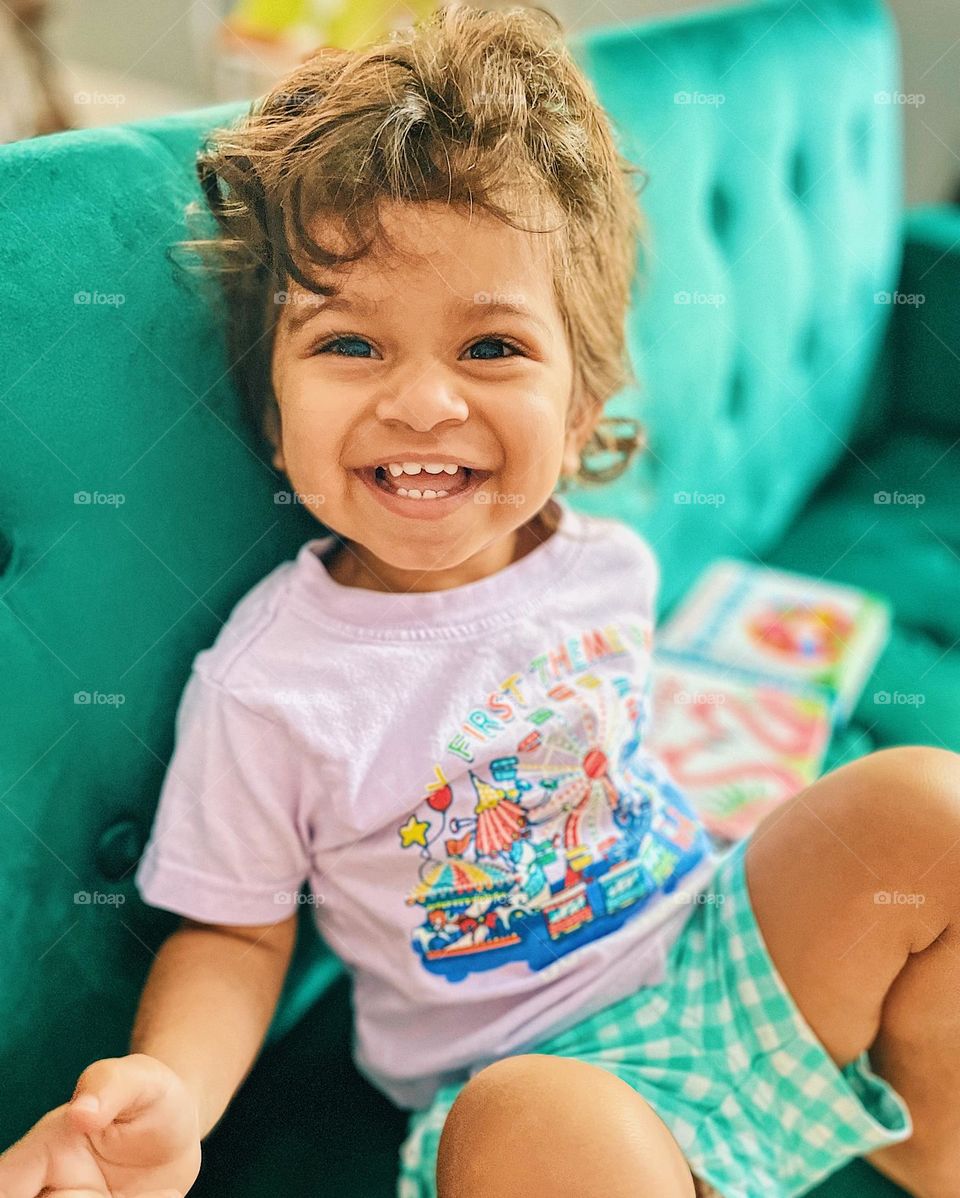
x=425 y=486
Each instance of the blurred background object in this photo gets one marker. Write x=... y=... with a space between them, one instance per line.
x=99 y=62
x=31 y=104
x=250 y=44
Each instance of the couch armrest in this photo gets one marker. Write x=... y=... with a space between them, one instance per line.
x=925 y=326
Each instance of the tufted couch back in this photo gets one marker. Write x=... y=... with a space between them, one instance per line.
x=774 y=199
x=135 y=510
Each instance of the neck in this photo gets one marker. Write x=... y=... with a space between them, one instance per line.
x=351 y=565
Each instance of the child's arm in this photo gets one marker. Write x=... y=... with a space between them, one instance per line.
x=207 y=1004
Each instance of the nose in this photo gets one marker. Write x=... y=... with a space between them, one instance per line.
x=428 y=399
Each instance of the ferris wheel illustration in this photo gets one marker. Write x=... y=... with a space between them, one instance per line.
x=558 y=785
x=565 y=777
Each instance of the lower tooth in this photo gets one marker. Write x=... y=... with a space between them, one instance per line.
x=424 y=495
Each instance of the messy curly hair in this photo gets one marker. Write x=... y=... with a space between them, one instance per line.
x=471 y=107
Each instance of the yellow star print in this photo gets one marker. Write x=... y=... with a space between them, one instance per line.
x=414 y=831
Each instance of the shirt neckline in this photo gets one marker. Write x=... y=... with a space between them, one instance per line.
x=425 y=615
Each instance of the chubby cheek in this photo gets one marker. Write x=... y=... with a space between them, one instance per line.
x=311 y=451
x=533 y=444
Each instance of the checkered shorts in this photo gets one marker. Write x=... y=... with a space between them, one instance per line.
x=723 y=1055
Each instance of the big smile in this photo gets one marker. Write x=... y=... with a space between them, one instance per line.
x=423 y=495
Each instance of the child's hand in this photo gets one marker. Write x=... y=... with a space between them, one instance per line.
x=141 y=1142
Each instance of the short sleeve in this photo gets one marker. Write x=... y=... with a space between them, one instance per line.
x=648 y=568
x=226 y=846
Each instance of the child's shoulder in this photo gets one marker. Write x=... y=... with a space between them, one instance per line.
x=624 y=558
x=252 y=619
x=623 y=539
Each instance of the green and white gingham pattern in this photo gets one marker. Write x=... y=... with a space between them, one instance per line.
x=723 y=1055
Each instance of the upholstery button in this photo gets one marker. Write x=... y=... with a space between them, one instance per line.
x=799 y=173
x=6 y=552
x=737 y=393
x=860 y=133
x=721 y=210
x=119 y=849
x=809 y=344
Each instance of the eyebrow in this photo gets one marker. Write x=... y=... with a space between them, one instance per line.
x=301 y=314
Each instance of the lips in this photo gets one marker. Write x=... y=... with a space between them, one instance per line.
x=422 y=510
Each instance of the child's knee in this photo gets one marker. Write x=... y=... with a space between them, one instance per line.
x=541 y=1124
x=911 y=784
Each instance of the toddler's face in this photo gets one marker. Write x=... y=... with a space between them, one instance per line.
x=413 y=363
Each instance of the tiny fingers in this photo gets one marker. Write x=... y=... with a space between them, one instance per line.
x=84 y=1116
x=23 y=1167
x=116 y=1087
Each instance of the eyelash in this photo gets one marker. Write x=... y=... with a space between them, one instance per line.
x=342 y=336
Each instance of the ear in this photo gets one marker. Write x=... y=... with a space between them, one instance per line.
x=271 y=429
x=578 y=432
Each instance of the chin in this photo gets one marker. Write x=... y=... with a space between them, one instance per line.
x=426 y=556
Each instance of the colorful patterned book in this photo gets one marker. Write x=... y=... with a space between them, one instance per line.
x=765 y=624
x=737 y=748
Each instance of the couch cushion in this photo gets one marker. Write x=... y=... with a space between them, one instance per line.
x=888 y=520
x=135 y=514
x=926 y=365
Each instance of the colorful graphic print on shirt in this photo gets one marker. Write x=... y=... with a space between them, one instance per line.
x=565 y=835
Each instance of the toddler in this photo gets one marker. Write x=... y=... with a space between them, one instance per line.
x=436 y=713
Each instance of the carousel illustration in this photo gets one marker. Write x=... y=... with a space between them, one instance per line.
x=554 y=845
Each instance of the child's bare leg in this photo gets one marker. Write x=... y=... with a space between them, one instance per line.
x=869 y=973
x=538 y=1124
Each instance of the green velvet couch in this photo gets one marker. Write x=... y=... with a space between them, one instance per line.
x=795 y=331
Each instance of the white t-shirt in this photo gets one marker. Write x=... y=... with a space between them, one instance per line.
x=462 y=778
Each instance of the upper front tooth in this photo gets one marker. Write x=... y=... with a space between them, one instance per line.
x=398 y=468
